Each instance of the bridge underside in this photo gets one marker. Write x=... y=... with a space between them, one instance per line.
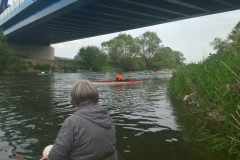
x=108 y=16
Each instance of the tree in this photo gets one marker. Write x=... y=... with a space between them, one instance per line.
x=167 y=58
x=149 y=43
x=163 y=58
x=4 y=54
x=122 y=50
x=234 y=36
x=92 y=56
x=179 y=58
x=219 y=44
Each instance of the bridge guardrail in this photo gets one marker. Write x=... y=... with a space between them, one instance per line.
x=11 y=9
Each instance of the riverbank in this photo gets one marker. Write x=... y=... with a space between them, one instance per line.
x=211 y=92
x=18 y=65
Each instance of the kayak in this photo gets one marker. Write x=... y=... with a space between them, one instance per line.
x=45 y=73
x=114 y=82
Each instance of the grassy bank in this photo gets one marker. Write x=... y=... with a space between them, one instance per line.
x=18 y=65
x=213 y=98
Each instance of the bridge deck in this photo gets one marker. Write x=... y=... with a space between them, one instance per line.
x=98 y=17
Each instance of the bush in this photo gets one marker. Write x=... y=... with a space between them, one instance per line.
x=17 y=68
x=42 y=67
x=16 y=65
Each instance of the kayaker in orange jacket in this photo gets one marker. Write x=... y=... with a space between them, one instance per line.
x=119 y=77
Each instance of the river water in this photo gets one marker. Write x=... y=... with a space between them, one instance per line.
x=32 y=109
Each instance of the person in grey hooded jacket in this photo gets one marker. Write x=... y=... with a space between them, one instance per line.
x=88 y=134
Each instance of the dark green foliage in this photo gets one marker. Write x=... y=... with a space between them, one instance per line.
x=215 y=87
x=165 y=57
x=110 y=65
x=40 y=67
x=16 y=65
x=234 y=36
x=70 y=65
x=69 y=68
x=143 y=52
x=149 y=43
x=17 y=68
x=92 y=56
x=122 y=50
x=4 y=54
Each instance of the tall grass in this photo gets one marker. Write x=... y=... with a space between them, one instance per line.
x=215 y=88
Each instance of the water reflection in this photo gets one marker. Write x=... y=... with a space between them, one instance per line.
x=32 y=109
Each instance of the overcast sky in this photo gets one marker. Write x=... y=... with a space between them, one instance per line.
x=190 y=36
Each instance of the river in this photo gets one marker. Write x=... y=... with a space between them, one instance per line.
x=32 y=109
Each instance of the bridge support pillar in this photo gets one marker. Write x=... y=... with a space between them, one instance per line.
x=32 y=52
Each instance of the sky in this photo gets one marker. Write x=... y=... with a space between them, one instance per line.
x=191 y=36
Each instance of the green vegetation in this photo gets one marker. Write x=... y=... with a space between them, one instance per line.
x=143 y=52
x=126 y=53
x=92 y=56
x=120 y=53
x=7 y=62
x=213 y=92
x=149 y=44
x=69 y=65
x=165 y=57
x=16 y=65
x=42 y=67
x=4 y=54
x=122 y=50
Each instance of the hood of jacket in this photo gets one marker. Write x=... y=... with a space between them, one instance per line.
x=96 y=114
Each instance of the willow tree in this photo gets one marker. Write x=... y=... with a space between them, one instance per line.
x=149 y=43
x=122 y=50
x=4 y=54
x=92 y=56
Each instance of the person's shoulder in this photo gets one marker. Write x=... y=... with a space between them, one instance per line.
x=72 y=118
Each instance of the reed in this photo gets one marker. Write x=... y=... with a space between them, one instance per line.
x=214 y=86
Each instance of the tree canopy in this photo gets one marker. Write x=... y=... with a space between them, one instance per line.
x=167 y=58
x=128 y=53
x=234 y=36
x=221 y=45
x=149 y=43
x=4 y=54
x=92 y=56
x=122 y=50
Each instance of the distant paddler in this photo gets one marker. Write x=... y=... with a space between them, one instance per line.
x=119 y=77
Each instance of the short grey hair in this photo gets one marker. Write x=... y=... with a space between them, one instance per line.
x=83 y=92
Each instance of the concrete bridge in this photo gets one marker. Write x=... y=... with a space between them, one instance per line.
x=33 y=25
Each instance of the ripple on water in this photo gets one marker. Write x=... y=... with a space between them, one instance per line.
x=32 y=109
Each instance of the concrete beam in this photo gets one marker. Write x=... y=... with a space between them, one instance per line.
x=32 y=52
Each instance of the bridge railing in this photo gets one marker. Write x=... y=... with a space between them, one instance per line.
x=12 y=8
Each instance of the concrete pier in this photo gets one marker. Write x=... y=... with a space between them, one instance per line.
x=32 y=52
